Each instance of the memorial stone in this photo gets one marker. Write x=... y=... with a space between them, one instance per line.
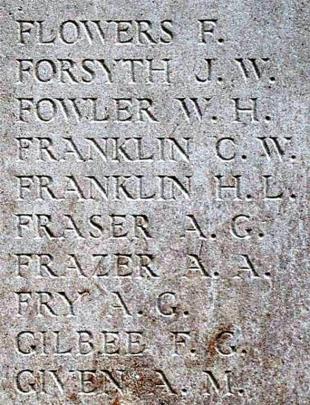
x=154 y=203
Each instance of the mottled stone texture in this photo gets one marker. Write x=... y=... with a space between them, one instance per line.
x=153 y=202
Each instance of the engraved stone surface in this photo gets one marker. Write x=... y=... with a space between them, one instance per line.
x=153 y=202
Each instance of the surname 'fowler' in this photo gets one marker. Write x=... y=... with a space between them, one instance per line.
x=92 y=109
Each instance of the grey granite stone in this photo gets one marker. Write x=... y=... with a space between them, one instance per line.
x=153 y=202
